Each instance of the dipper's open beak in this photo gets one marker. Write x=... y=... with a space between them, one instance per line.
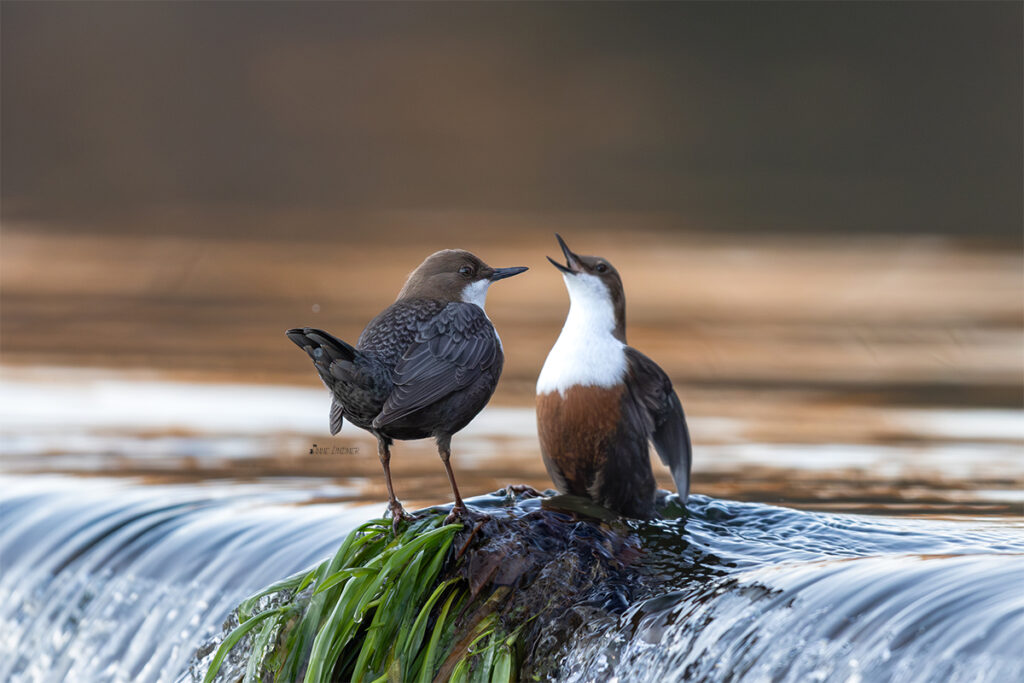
x=502 y=273
x=572 y=262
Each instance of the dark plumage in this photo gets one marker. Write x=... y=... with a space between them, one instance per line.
x=424 y=367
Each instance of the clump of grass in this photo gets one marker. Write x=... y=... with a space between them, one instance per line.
x=490 y=601
x=378 y=610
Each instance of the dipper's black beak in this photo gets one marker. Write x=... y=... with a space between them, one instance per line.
x=572 y=262
x=502 y=273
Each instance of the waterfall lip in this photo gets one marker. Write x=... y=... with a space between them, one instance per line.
x=143 y=554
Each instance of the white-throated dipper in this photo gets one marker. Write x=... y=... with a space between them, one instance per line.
x=600 y=401
x=424 y=367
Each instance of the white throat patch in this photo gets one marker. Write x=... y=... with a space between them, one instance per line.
x=476 y=293
x=586 y=353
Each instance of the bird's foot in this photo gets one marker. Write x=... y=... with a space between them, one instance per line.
x=461 y=514
x=398 y=515
x=458 y=514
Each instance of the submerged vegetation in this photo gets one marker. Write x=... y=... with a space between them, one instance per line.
x=487 y=600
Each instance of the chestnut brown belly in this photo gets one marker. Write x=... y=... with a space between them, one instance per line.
x=577 y=430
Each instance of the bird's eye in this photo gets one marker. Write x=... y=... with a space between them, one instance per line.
x=466 y=271
x=602 y=268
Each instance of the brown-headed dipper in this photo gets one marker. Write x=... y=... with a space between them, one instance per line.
x=422 y=368
x=600 y=401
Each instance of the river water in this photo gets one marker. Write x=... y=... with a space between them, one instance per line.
x=128 y=536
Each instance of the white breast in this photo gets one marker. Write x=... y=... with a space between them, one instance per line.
x=586 y=353
x=476 y=293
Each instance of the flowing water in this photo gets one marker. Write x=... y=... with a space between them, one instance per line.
x=772 y=594
x=127 y=538
x=107 y=580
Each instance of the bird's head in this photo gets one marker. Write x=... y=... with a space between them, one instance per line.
x=595 y=288
x=454 y=275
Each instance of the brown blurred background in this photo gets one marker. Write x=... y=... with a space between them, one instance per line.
x=801 y=196
x=816 y=209
x=758 y=117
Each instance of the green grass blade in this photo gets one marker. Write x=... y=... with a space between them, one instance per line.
x=363 y=541
x=337 y=577
x=260 y=644
x=488 y=658
x=460 y=674
x=232 y=640
x=294 y=583
x=332 y=635
x=427 y=671
x=502 y=671
x=414 y=637
x=389 y=617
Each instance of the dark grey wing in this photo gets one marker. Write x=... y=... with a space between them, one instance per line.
x=389 y=334
x=661 y=411
x=450 y=352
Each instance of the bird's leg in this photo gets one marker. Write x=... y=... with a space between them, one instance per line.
x=444 y=443
x=397 y=511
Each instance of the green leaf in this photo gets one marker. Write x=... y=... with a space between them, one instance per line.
x=339 y=622
x=426 y=673
x=259 y=647
x=502 y=671
x=337 y=577
x=414 y=638
x=293 y=582
x=232 y=640
x=460 y=674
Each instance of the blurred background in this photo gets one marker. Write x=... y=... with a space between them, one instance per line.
x=816 y=209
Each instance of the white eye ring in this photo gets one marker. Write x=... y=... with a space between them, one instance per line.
x=466 y=270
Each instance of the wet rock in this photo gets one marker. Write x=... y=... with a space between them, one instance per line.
x=562 y=559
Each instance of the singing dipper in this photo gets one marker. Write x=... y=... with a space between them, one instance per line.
x=599 y=401
x=424 y=367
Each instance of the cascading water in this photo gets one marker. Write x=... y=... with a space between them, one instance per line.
x=815 y=597
x=104 y=580
x=128 y=537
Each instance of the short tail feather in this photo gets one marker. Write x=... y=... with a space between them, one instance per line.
x=321 y=346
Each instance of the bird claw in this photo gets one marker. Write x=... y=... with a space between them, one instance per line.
x=456 y=515
x=461 y=514
x=398 y=515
